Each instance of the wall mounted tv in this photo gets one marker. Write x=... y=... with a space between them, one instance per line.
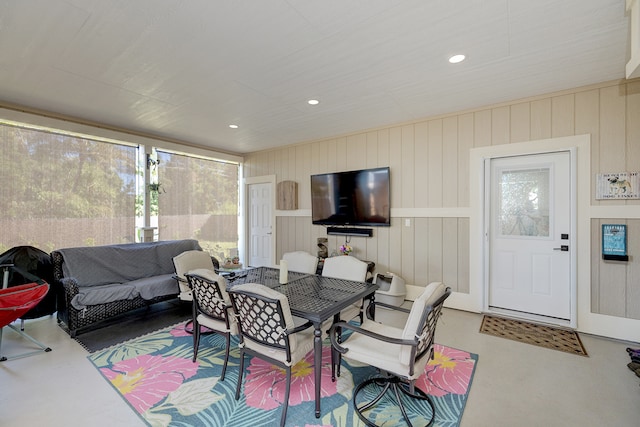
x=351 y=198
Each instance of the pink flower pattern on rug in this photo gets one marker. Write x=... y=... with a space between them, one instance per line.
x=449 y=372
x=164 y=387
x=146 y=380
x=180 y=331
x=265 y=384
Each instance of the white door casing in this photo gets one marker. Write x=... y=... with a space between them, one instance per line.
x=261 y=221
x=529 y=232
x=582 y=316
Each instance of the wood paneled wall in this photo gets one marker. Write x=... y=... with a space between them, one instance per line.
x=429 y=159
x=615 y=285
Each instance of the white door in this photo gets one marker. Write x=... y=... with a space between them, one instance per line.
x=260 y=224
x=529 y=235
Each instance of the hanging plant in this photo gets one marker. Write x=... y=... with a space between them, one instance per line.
x=156 y=188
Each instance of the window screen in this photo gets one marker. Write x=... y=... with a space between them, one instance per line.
x=198 y=199
x=63 y=191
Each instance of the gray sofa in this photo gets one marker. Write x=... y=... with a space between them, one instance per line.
x=101 y=282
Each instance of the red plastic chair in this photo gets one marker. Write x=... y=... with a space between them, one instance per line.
x=15 y=302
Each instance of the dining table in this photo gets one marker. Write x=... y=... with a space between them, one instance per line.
x=312 y=297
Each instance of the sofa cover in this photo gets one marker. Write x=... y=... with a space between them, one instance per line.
x=103 y=281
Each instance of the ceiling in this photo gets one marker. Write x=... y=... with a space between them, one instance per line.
x=186 y=70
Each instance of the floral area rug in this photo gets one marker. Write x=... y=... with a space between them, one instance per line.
x=157 y=378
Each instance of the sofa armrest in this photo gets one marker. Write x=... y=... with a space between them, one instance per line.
x=70 y=286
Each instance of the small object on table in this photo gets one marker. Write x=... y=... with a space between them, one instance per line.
x=231 y=265
x=284 y=272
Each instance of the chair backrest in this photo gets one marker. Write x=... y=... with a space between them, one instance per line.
x=190 y=260
x=422 y=320
x=210 y=294
x=263 y=317
x=301 y=261
x=345 y=267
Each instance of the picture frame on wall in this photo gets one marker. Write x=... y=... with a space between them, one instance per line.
x=614 y=242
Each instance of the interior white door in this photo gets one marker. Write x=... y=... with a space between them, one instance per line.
x=260 y=224
x=529 y=241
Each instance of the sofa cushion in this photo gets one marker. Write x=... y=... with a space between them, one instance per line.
x=93 y=295
x=156 y=286
x=100 y=265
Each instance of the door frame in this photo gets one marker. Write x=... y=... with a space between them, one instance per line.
x=265 y=179
x=477 y=299
x=572 y=321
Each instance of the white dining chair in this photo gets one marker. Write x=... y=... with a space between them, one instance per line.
x=347 y=267
x=400 y=355
x=268 y=330
x=301 y=261
x=185 y=262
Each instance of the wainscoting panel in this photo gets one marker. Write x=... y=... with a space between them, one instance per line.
x=429 y=161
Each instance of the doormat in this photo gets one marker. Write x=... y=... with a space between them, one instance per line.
x=531 y=333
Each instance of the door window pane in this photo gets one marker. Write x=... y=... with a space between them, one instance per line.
x=524 y=203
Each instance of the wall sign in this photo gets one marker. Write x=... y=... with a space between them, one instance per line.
x=620 y=185
x=614 y=242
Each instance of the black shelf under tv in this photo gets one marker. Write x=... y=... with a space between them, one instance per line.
x=350 y=231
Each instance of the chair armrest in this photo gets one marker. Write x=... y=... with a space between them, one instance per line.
x=382 y=304
x=392 y=307
x=299 y=328
x=357 y=329
x=179 y=279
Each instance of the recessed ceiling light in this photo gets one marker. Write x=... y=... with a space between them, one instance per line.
x=233 y=126
x=313 y=102
x=456 y=58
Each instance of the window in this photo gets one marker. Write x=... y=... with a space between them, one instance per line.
x=198 y=199
x=63 y=189
x=60 y=190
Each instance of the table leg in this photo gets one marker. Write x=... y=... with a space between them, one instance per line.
x=372 y=301
x=317 y=362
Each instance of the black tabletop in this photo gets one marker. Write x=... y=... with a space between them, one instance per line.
x=312 y=297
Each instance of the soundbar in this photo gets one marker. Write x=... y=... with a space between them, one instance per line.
x=350 y=231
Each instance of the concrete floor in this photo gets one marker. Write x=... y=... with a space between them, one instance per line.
x=515 y=384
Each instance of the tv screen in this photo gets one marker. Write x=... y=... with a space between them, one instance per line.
x=351 y=198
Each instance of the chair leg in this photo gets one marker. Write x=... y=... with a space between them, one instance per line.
x=336 y=361
x=399 y=400
x=19 y=331
x=286 y=398
x=333 y=364
x=240 y=373
x=398 y=387
x=226 y=356
x=416 y=393
x=339 y=361
x=196 y=339
x=188 y=327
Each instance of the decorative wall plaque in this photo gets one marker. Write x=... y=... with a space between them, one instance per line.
x=620 y=185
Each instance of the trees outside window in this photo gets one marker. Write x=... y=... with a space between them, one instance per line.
x=60 y=191
x=198 y=199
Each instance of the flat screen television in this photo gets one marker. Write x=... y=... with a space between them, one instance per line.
x=351 y=198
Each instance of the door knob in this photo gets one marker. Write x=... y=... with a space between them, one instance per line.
x=563 y=248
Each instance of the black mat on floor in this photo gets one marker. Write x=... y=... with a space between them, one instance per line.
x=134 y=324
